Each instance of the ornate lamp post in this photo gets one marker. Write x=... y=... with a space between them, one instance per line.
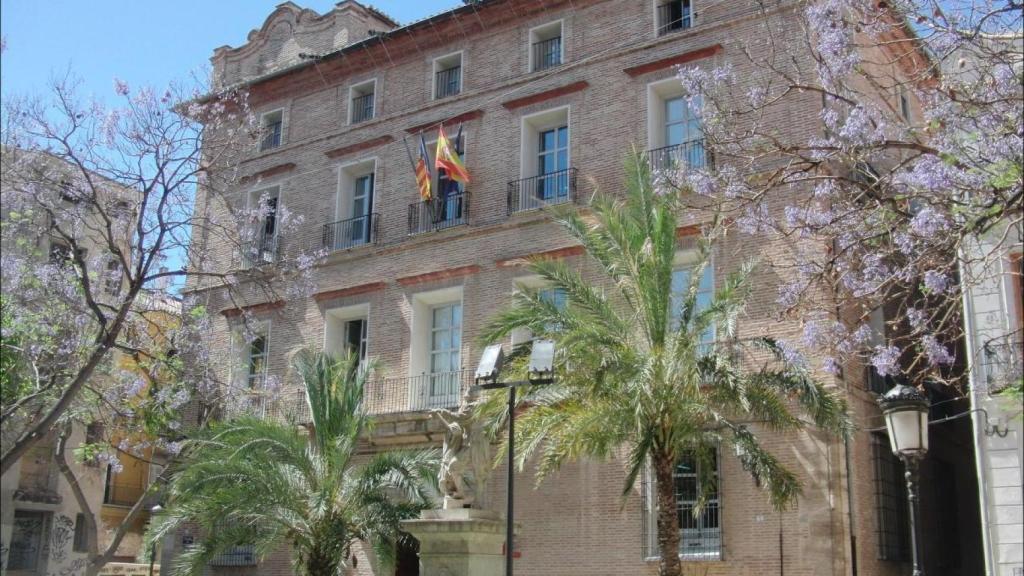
x=541 y=371
x=906 y=417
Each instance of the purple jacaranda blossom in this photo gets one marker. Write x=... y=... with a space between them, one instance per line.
x=936 y=282
x=938 y=354
x=885 y=360
x=916 y=318
x=120 y=87
x=929 y=223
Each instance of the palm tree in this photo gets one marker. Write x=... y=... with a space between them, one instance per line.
x=637 y=368
x=265 y=484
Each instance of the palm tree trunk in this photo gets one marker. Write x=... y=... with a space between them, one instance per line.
x=668 y=517
x=322 y=563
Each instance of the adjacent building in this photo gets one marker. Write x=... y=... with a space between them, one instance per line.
x=549 y=97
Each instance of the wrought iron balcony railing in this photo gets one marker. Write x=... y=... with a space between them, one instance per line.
x=261 y=251
x=417 y=393
x=350 y=233
x=543 y=190
x=448 y=82
x=547 y=53
x=121 y=494
x=690 y=154
x=674 y=15
x=244 y=555
x=362 y=108
x=439 y=213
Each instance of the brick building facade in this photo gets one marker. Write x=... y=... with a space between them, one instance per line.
x=550 y=95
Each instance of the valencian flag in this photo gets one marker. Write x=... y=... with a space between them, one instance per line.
x=422 y=168
x=447 y=158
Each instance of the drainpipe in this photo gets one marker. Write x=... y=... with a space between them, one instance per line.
x=977 y=423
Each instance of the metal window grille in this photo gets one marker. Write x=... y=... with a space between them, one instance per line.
x=547 y=53
x=700 y=535
x=362 y=108
x=875 y=382
x=891 y=513
x=28 y=540
x=271 y=134
x=675 y=15
x=448 y=82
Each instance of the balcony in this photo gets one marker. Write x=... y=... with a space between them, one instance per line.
x=690 y=154
x=439 y=213
x=543 y=190
x=118 y=494
x=674 y=15
x=351 y=233
x=260 y=252
x=38 y=488
x=417 y=393
x=244 y=555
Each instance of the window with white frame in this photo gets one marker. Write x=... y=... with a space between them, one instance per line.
x=546 y=50
x=554 y=296
x=700 y=528
x=256 y=362
x=354 y=222
x=447 y=75
x=361 y=98
x=346 y=331
x=673 y=15
x=674 y=132
x=547 y=175
x=271 y=129
x=682 y=277
x=436 y=358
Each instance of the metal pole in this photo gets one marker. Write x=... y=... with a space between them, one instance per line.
x=509 y=522
x=911 y=465
x=152 y=557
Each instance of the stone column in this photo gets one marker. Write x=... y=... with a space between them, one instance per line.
x=459 y=542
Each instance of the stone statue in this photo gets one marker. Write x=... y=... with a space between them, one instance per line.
x=463 y=457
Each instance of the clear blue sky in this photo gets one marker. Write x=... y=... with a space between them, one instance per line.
x=141 y=42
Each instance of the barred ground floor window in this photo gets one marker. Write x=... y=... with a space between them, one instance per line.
x=891 y=508
x=700 y=531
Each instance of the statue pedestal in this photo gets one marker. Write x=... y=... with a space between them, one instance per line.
x=459 y=542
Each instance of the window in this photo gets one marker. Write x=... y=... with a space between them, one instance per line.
x=674 y=132
x=874 y=381
x=700 y=534
x=28 y=537
x=891 y=514
x=81 y=541
x=361 y=100
x=262 y=249
x=354 y=220
x=546 y=46
x=257 y=363
x=346 y=330
x=112 y=279
x=436 y=360
x=448 y=75
x=681 y=278
x=546 y=172
x=674 y=15
x=271 y=124
x=904 y=104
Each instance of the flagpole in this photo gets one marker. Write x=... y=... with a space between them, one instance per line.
x=409 y=153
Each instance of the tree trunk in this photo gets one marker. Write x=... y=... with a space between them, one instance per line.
x=668 y=516
x=319 y=562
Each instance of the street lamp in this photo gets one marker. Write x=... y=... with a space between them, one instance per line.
x=156 y=509
x=906 y=417
x=541 y=371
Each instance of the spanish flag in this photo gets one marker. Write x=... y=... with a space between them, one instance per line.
x=447 y=158
x=422 y=169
